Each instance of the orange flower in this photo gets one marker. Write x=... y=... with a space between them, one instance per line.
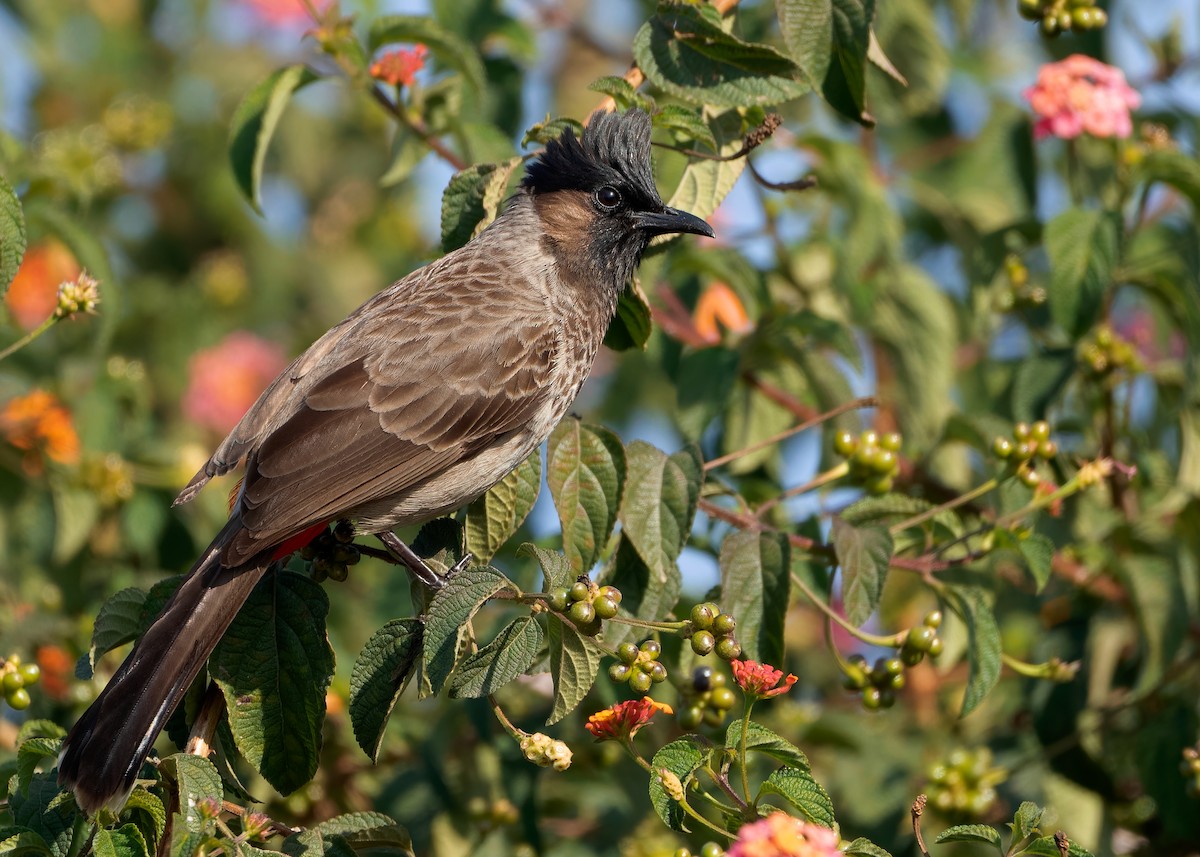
x=781 y=835
x=226 y=379
x=622 y=721
x=760 y=681
x=720 y=305
x=38 y=423
x=33 y=294
x=399 y=67
x=58 y=670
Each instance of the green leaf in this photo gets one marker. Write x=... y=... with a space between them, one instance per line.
x=22 y=842
x=585 y=469
x=973 y=604
x=1038 y=552
x=618 y=89
x=971 y=833
x=1026 y=820
x=144 y=805
x=198 y=781
x=408 y=150
x=273 y=665
x=125 y=841
x=686 y=122
x=500 y=661
x=39 y=729
x=254 y=122
x=556 y=570
x=1160 y=601
x=38 y=808
x=30 y=754
x=493 y=518
x=551 y=129
x=1174 y=168
x=705 y=182
x=681 y=757
x=807 y=28
x=364 y=832
x=118 y=622
x=1082 y=246
x=1045 y=846
x=684 y=52
x=1038 y=381
x=845 y=81
x=440 y=534
x=574 y=664
x=631 y=326
x=864 y=555
x=755 y=587
x=762 y=740
x=76 y=511
x=12 y=235
x=472 y=200
x=891 y=508
x=380 y=674
x=661 y=494
x=866 y=848
x=451 y=608
x=703 y=381
x=797 y=786
x=447 y=47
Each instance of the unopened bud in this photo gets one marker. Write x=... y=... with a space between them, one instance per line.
x=546 y=752
x=671 y=784
x=79 y=295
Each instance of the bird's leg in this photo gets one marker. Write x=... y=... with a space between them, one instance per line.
x=412 y=562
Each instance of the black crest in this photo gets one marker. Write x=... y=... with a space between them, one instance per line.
x=615 y=150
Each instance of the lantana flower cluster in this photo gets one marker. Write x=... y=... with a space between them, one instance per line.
x=1082 y=95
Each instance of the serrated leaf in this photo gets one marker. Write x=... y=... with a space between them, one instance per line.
x=807 y=29
x=631 y=326
x=797 y=786
x=660 y=502
x=618 y=89
x=556 y=570
x=22 y=842
x=381 y=672
x=574 y=664
x=686 y=122
x=866 y=848
x=1026 y=820
x=472 y=200
x=197 y=780
x=494 y=517
x=681 y=757
x=451 y=608
x=552 y=129
x=125 y=841
x=983 y=643
x=146 y=805
x=1175 y=168
x=445 y=45
x=585 y=469
x=1038 y=381
x=1159 y=597
x=760 y=739
x=705 y=182
x=755 y=587
x=12 y=235
x=864 y=554
x=30 y=754
x=37 y=808
x=274 y=665
x=1038 y=552
x=971 y=833
x=500 y=661
x=118 y=622
x=254 y=123
x=1045 y=846
x=1082 y=246
x=367 y=832
x=440 y=534
x=39 y=728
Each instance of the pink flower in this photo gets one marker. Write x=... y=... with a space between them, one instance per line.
x=781 y=835
x=399 y=67
x=225 y=380
x=1082 y=95
x=760 y=681
x=280 y=13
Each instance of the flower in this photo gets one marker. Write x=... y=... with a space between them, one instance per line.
x=720 y=305
x=227 y=378
x=623 y=720
x=399 y=67
x=760 y=681
x=280 y=13
x=81 y=294
x=38 y=423
x=781 y=835
x=545 y=751
x=33 y=294
x=1081 y=94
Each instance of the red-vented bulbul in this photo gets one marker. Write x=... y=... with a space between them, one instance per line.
x=425 y=397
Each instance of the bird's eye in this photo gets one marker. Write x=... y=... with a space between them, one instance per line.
x=608 y=196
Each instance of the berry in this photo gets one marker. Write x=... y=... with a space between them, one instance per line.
x=1021 y=431
x=892 y=441
x=605 y=608
x=936 y=647
x=1024 y=450
x=619 y=672
x=1030 y=9
x=1050 y=27
x=844 y=444
x=920 y=638
x=1003 y=447
x=933 y=619
x=703 y=642
x=869 y=438
x=1047 y=449
x=887 y=697
x=879 y=485
x=690 y=718
x=702 y=679
x=703 y=616
x=18 y=699
x=872 y=698
x=711 y=849
x=627 y=652
x=719 y=680
x=12 y=681
x=656 y=671
x=558 y=600
x=579 y=591
x=728 y=649
x=895 y=682
x=30 y=673
x=722 y=698
x=1040 y=430
x=911 y=657
x=609 y=592
x=682 y=852
x=652 y=648
x=724 y=624
x=885 y=461
x=582 y=613
x=1029 y=477
x=639 y=682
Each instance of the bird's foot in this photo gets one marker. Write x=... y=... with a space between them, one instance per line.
x=415 y=565
x=468 y=560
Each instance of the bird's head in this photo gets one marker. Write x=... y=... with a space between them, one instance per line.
x=597 y=199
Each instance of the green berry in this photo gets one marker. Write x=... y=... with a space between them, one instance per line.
x=12 y=681
x=856 y=678
x=722 y=698
x=911 y=657
x=682 y=852
x=691 y=717
x=1050 y=27
x=579 y=591
x=1029 y=477
x=713 y=717
x=1024 y=450
x=895 y=682
x=936 y=647
x=652 y=648
x=878 y=485
x=892 y=441
x=920 y=638
x=867 y=456
x=869 y=438
x=703 y=615
x=639 y=682
x=887 y=697
x=619 y=672
x=627 y=652
x=871 y=698
x=1040 y=430
x=1082 y=19
x=1002 y=447
x=338 y=572
x=605 y=608
x=1064 y=21
x=582 y=613
x=657 y=672
x=728 y=649
x=718 y=679
x=702 y=679
x=558 y=600
x=723 y=624
x=1047 y=449
x=1021 y=431
x=18 y=699
x=711 y=849
x=844 y=444
x=609 y=592
x=1031 y=10
x=1099 y=18
x=885 y=462
x=703 y=642
x=933 y=619
x=30 y=673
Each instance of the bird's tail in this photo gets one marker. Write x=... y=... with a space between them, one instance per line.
x=105 y=750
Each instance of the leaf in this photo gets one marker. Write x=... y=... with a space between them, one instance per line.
x=807 y=28
x=574 y=664
x=500 y=661
x=844 y=86
x=705 y=183
x=864 y=555
x=448 y=47
x=147 y=806
x=440 y=534
x=198 y=781
x=703 y=381
x=983 y=643
x=1038 y=381
x=618 y=89
x=493 y=518
x=254 y=122
x=632 y=324
x=756 y=587
x=762 y=740
x=551 y=129
x=681 y=757
x=125 y=841
x=1159 y=599
x=38 y=809
x=30 y=754
x=1174 y=168
x=971 y=833
x=273 y=665
x=1026 y=820
x=1082 y=246
x=380 y=674
x=362 y=831
x=22 y=842
x=472 y=200
x=661 y=494
x=1038 y=552
x=685 y=122
x=866 y=848
x=118 y=622
x=76 y=511
x=585 y=469
x=1045 y=846
x=39 y=729
x=879 y=59
x=798 y=787
x=556 y=571
x=451 y=608
x=684 y=52
x=12 y=235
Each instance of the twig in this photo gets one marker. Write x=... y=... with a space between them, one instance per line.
x=855 y=404
x=918 y=807
x=418 y=127
x=1064 y=844
x=752 y=141
x=199 y=742
x=804 y=183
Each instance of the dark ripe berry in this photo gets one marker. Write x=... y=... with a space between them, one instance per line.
x=920 y=638
x=307 y=553
x=879 y=672
x=558 y=600
x=579 y=591
x=1047 y=449
x=609 y=592
x=639 y=682
x=656 y=671
x=933 y=619
x=702 y=616
x=911 y=657
x=702 y=679
x=724 y=623
x=857 y=660
x=582 y=613
x=871 y=698
x=722 y=698
x=627 y=652
x=892 y=441
x=844 y=444
x=728 y=649
x=1029 y=477
x=711 y=849
x=619 y=672
x=652 y=648
x=30 y=673
x=690 y=718
x=1003 y=447
x=887 y=697
x=703 y=642
x=12 y=681
x=606 y=608
x=338 y=572
x=1040 y=430
x=936 y=647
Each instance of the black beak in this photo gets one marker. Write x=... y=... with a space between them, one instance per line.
x=671 y=220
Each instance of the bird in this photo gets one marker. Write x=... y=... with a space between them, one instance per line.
x=419 y=401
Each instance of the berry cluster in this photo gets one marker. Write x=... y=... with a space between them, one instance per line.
x=878 y=683
x=1028 y=442
x=586 y=604
x=1104 y=352
x=922 y=640
x=707 y=699
x=16 y=678
x=1190 y=768
x=331 y=554
x=1062 y=16
x=872 y=456
x=711 y=630
x=1020 y=293
x=708 y=849
x=638 y=666
x=964 y=783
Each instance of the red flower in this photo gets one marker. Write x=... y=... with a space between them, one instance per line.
x=1081 y=94
x=399 y=67
x=759 y=681
x=623 y=720
x=227 y=378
